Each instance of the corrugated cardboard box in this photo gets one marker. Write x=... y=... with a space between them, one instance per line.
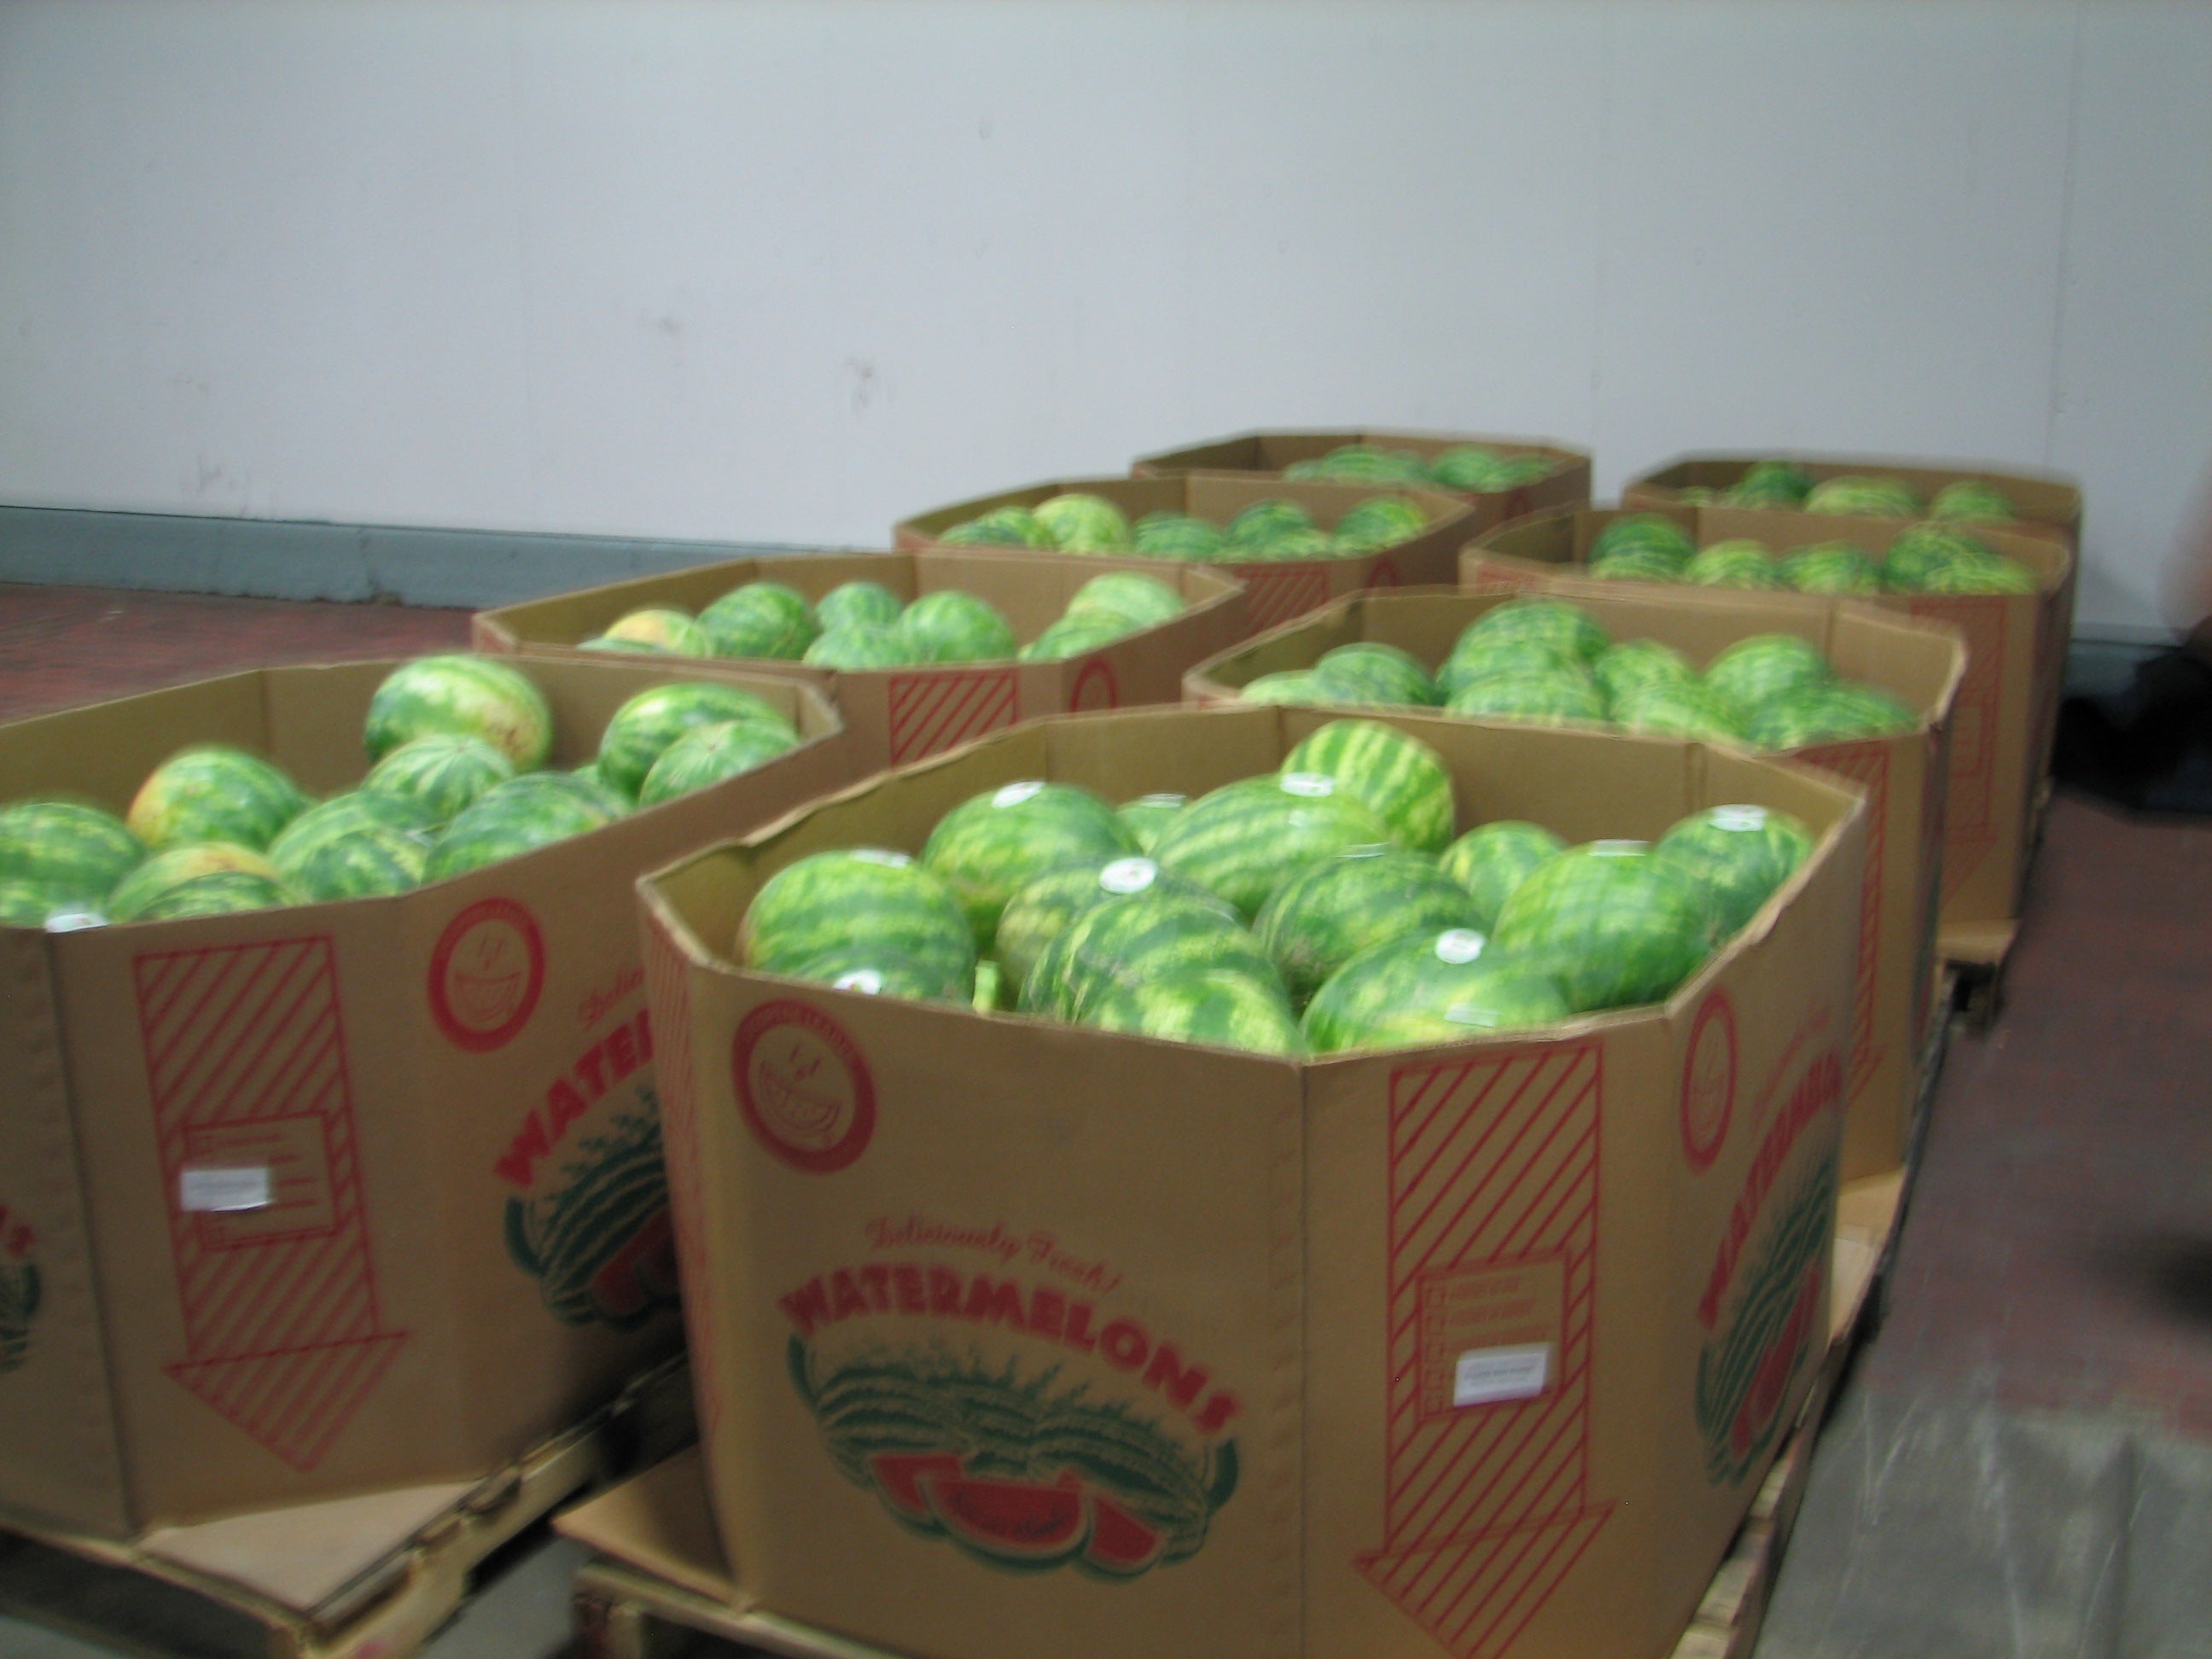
x=2007 y=709
x=1275 y=589
x=458 y=1240
x=1481 y=1347
x=1902 y=777
x=900 y=715
x=2046 y=500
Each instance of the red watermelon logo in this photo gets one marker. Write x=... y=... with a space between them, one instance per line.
x=803 y=1087
x=487 y=972
x=594 y=1229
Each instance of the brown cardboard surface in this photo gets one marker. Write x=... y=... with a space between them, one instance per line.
x=1297 y=1259
x=1901 y=776
x=900 y=715
x=435 y=1080
x=1275 y=589
x=1270 y=451
x=2007 y=710
x=2039 y=498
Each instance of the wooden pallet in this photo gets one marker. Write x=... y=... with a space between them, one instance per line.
x=367 y=1578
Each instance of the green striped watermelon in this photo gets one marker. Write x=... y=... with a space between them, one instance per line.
x=643 y=727
x=994 y=844
x=1835 y=712
x=1370 y=673
x=1739 y=855
x=661 y=628
x=1080 y=522
x=1612 y=925
x=761 y=619
x=1218 y=1007
x=1040 y=909
x=468 y=696
x=29 y=904
x=1404 y=781
x=1733 y=564
x=77 y=849
x=520 y=816
x=1309 y=542
x=1678 y=711
x=858 y=602
x=1248 y=838
x=214 y=792
x=1769 y=483
x=1831 y=567
x=1128 y=941
x=1470 y=468
x=1429 y=986
x=1290 y=686
x=439 y=775
x=1634 y=664
x=1071 y=636
x=1139 y=600
x=854 y=645
x=871 y=970
x=1646 y=532
x=1568 y=627
x=1178 y=535
x=1970 y=498
x=1755 y=670
x=819 y=904
x=344 y=815
x=179 y=865
x=623 y=647
x=1479 y=657
x=1264 y=523
x=708 y=755
x=226 y=892
x=1360 y=463
x=1148 y=815
x=950 y=626
x=1554 y=699
x=1640 y=564
x=1922 y=548
x=1380 y=521
x=1322 y=918
x=368 y=861
x=588 y=782
x=1493 y=859
x=1881 y=498
x=1523 y=467
x=1002 y=526
x=1980 y=573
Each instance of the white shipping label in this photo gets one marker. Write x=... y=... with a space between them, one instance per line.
x=1486 y=1376
x=226 y=1190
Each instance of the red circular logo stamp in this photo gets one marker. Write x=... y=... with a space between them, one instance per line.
x=486 y=974
x=803 y=1087
x=1385 y=573
x=1709 y=1081
x=1095 y=687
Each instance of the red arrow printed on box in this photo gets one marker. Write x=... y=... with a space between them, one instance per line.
x=245 y=1061
x=1493 y=1205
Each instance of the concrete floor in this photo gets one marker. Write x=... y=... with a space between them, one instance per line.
x=2022 y=1466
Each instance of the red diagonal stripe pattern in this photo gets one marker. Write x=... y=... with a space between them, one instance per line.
x=932 y=713
x=1276 y=592
x=1969 y=808
x=667 y=990
x=245 y=1048
x=1865 y=764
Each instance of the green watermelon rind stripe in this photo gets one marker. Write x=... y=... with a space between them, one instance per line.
x=1397 y=777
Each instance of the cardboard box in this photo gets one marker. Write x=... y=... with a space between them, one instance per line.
x=1275 y=589
x=2048 y=500
x=435 y=1084
x=1270 y=451
x=900 y=715
x=2007 y=711
x=1901 y=776
x=1481 y=1347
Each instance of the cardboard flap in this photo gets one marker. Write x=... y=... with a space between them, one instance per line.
x=660 y=1522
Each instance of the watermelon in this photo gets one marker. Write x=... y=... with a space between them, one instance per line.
x=1040 y=909
x=859 y=645
x=1080 y=522
x=1769 y=483
x=1834 y=713
x=1643 y=531
x=817 y=905
x=1521 y=468
x=1568 y=628
x=661 y=628
x=1311 y=542
x=994 y=844
x=1130 y=939
x=1922 y=550
x=1127 y=596
x=1363 y=463
x=1756 y=670
x=1325 y=915
x=1881 y=498
x=950 y=626
x=1218 y=1007
x=1678 y=711
x=1264 y=522
x=868 y=970
x=1636 y=664
x=1981 y=573
x=588 y=784
x=1177 y=536
x=514 y=817
x=643 y=727
x=1739 y=855
x=1380 y=521
x=1376 y=675
x=1299 y=685
x=1640 y=564
x=214 y=792
x=707 y=755
x=1073 y=634
x=1401 y=779
x=1246 y=839
x=624 y=647
x=1429 y=986
x=78 y=850
x=1468 y=468
x=367 y=861
x=29 y=904
x=1148 y=815
x=1480 y=657
x=1493 y=859
x=1733 y=564
x=136 y=892
x=858 y=602
x=1969 y=498
x=471 y=697
x=1554 y=699
x=993 y=990
x=760 y=619
x=344 y=815
x=1612 y=925
x=1004 y=526
x=439 y=775
x=1831 y=568
x=226 y=892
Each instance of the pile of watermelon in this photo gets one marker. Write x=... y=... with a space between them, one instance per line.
x=865 y=625
x=1467 y=469
x=1321 y=907
x=459 y=779
x=1547 y=662
x=1929 y=558
x=1786 y=484
x=1273 y=528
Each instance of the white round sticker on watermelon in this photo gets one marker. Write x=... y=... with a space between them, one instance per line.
x=1015 y=794
x=866 y=981
x=1128 y=875
x=1457 y=944
x=1737 y=818
x=1312 y=785
x=881 y=855
x=1618 y=849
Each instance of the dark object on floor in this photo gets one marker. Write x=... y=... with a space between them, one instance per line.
x=2148 y=747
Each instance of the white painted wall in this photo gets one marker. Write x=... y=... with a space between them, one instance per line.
x=784 y=269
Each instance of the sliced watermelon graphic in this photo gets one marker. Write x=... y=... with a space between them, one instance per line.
x=640 y=1275
x=1120 y=1544
x=1022 y=1524
x=1777 y=1365
x=898 y=1477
